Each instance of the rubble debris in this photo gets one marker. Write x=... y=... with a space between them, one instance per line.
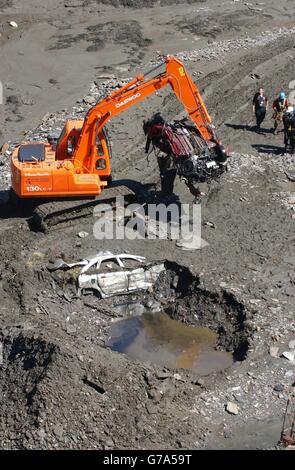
x=210 y=224
x=5 y=147
x=191 y=244
x=279 y=388
x=73 y=3
x=61 y=264
x=71 y=329
x=255 y=76
x=274 y=351
x=83 y=234
x=200 y=382
x=290 y=355
x=13 y=24
x=290 y=177
x=232 y=408
x=89 y=100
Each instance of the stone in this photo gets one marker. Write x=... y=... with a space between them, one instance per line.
x=13 y=24
x=279 y=388
x=105 y=76
x=289 y=373
x=83 y=234
x=191 y=244
x=210 y=224
x=41 y=433
x=4 y=147
x=255 y=76
x=71 y=329
x=232 y=408
x=155 y=395
x=274 y=351
x=58 y=430
x=162 y=375
x=292 y=344
x=73 y=3
x=178 y=377
x=151 y=409
x=200 y=382
x=290 y=355
x=89 y=99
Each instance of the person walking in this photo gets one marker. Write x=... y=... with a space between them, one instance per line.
x=260 y=105
x=280 y=106
x=289 y=129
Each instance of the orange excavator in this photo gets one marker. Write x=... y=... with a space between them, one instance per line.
x=78 y=166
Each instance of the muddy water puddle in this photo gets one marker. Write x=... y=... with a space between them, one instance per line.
x=156 y=338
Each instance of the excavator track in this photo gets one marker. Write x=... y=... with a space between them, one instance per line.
x=55 y=214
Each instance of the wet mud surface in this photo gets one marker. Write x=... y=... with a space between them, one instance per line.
x=61 y=386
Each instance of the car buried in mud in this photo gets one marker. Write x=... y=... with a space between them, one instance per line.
x=107 y=274
x=110 y=274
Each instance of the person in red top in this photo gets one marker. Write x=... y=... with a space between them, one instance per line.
x=280 y=105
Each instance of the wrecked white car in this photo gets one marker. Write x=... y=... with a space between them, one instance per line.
x=110 y=274
x=114 y=274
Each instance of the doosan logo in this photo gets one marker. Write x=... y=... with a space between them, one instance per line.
x=127 y=100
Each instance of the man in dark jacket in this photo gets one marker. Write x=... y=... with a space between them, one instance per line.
x=289 y=129
x=260 y=105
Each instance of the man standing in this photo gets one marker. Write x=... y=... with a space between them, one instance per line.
x=289 y=129
x=260 y=105
x=280 y=105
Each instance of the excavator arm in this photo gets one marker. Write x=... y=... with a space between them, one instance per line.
x=137 y=90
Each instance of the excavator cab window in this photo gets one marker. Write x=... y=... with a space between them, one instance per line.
x=70 y=148
x=100 y=163
x=99 y=147
x=71 y=144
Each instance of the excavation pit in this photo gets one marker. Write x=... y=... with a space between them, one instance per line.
x=182 y=325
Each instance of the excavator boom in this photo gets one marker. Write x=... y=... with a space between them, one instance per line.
x=137 y=90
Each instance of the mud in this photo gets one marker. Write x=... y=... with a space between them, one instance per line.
x=145 y=4
x=60 y=387
x=96 y=36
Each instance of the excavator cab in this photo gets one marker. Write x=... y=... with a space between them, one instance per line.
x=98 y=160
x=48 y=169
